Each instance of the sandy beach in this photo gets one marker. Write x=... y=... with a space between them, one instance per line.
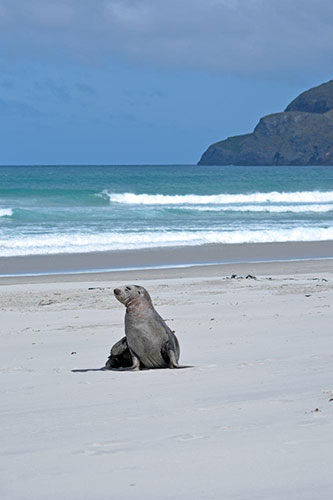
x=250 y=420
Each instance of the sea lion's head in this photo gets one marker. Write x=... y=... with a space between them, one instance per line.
x=132 y=294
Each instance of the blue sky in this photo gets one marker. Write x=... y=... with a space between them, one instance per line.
x=150 y=81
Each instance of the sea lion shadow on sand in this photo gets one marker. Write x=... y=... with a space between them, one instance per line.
x=103 y=369
x=85 y=370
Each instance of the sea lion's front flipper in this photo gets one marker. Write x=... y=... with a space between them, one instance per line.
x=134 y=365
x=120 y=356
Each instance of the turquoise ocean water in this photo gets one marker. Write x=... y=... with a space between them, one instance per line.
x=48 y=210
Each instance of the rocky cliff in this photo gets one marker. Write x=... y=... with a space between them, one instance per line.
x=300 y=135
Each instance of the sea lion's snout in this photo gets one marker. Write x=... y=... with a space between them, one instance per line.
x=131 y=294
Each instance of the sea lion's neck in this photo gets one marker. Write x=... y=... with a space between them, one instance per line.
x=137 y=306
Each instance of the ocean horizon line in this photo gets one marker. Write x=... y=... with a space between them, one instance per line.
x=277 y=167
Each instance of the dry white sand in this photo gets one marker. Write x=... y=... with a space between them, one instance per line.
x=251 y=420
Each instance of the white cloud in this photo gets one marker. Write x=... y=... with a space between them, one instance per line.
x=238 y=36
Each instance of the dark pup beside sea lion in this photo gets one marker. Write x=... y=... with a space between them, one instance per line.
x=149 y=342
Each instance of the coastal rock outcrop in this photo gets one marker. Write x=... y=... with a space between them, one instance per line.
x=300 y=135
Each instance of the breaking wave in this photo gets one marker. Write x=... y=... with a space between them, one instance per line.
x=6 y=212
x=220 y=199
x=79 y=242
x=264 y=208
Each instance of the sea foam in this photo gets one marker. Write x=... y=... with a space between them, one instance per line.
x=79 y=242
x=6 y=212
x=221 y=199
x=263 y=208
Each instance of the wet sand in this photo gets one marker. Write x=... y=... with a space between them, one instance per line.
x=161 y=257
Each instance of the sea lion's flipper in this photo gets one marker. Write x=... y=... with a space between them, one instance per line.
x=169 y=355
x=134 y=365
x=173 y=360
x=120 y=356
x=172 y=344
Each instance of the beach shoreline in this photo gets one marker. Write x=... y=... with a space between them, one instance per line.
x=167 y=257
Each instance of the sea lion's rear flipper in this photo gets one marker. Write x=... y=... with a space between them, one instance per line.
x=169 y=355
x=120 y=356
x=173 y=360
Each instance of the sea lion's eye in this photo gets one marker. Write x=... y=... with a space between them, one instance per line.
x=139 y=293
x=128 y=288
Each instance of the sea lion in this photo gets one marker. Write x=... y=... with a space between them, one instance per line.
x=149 y=342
